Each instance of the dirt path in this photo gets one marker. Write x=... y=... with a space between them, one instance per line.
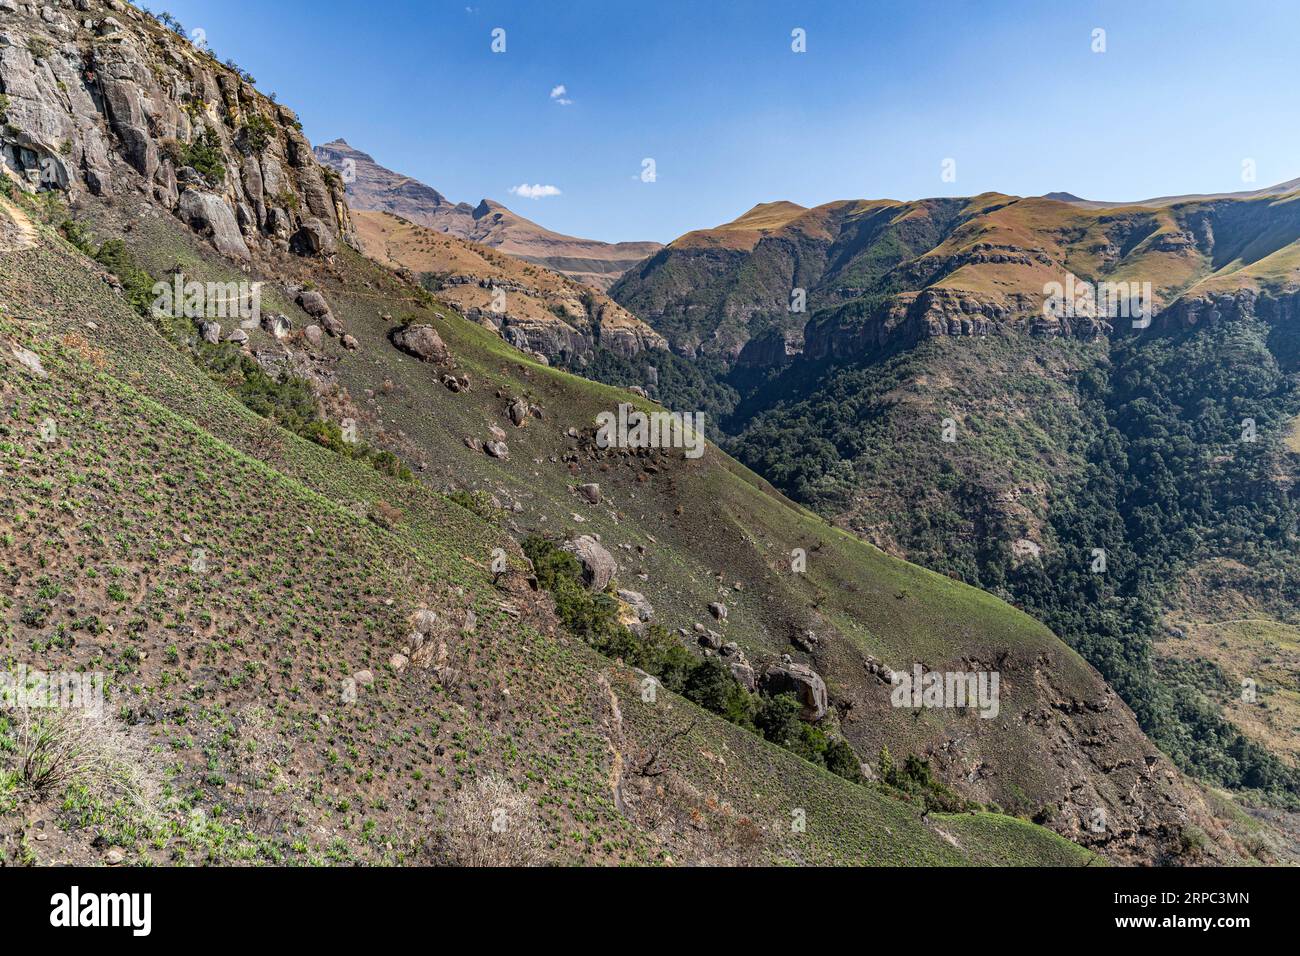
x=615 y=738
x=16 y=230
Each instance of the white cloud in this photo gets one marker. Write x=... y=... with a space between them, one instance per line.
x=558 y=93
x=535 y=191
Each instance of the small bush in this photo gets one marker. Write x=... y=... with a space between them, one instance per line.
x=256 y=134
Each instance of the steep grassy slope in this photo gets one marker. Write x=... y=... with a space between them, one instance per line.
x=1062 y=742
x=533 y=717
x=226 y=677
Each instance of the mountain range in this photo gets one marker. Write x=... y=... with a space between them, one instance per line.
x=360 y=574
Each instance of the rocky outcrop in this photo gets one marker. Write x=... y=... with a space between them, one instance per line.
x=800 y=680
x=108 y=101
x=598 y=565
x=212 y=218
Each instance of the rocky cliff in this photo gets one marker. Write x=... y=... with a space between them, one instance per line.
x=847 y=278
x=102 y=97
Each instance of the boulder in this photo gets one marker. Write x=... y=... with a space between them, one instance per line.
x=349 y=342
x=598 y=565
x=314 y=238
x=590 y=491
x=313 y=303
x=519 y=412
x=313 y=335
x=422 y=341
x=208 y=215
x=211 y=332
x=743 y=672
x=332 y=325
x=497 y=449
x=718 y=610
x=802 y=681
x=30 y=361
x=276 y=324
x=643 y=609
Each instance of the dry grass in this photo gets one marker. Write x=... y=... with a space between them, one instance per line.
x=490 y=822
x=58 y=748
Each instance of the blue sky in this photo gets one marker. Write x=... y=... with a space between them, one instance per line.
x=711 y=90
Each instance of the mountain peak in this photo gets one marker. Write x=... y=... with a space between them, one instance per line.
x=375 y=188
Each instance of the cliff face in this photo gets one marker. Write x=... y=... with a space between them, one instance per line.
x=850 y=277
x=98 y=96
x=374 y=188
x=533 y=308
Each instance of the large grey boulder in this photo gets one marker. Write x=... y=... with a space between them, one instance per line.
x=598 y=565
x=313 y=303
x=802 y=681
x=314 y=238
x=422 y=341
x=208 y=215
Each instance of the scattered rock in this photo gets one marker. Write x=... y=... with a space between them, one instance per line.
x=519 y=412
x=332 y=325
x=590 y=491
x=30 y=361
x=806 y=641
x=313 y=303
x=211 y=332
x=637 y=601
x=349 y=342
x=743 y=672
x=114 y=856
x=497 y=449
x=364 y=678
x=718 y=610
x=313 y=335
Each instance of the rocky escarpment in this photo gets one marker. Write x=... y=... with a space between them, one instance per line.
x=101 y=97
x=1230 y=305
x=539 y=311
x=848 y=277
x=934 y=313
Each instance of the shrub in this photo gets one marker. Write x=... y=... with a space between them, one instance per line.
x=256 y=134
x=205 y=155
